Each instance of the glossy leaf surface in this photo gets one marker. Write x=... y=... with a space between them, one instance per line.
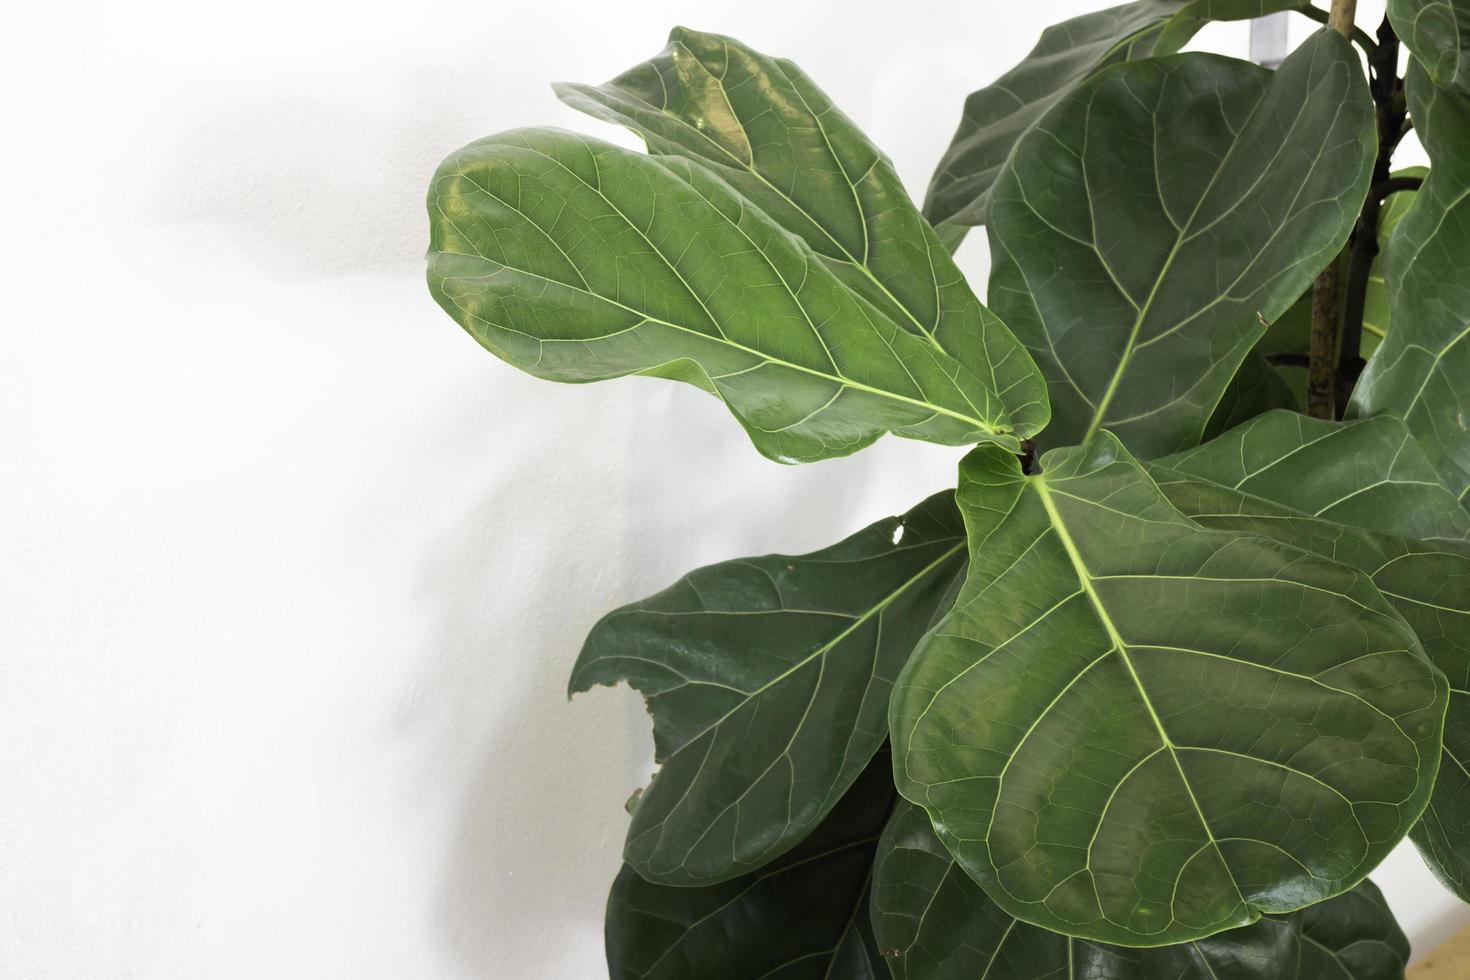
x=1141 y=270
x=576 y=260
x=762 y=125
x=1370 y=473
x=768 y=681
x=1140 y=731
x=804 y=917
x=1427 y=584
x=934 y=923
x=1418 y=373
x=1438 y=34
x=995 y=117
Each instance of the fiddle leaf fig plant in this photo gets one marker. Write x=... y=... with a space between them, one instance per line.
x=1176 y=664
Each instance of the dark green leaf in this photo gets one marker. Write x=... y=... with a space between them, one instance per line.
x=1352 y=937
x=576 y=260
x=934 y=923
x=1140 y=731
x=768 y=681
x=996 y=116
x=804 y=917
x=1369 y=473
x=1428 y=585
x=1141 y=268
x=1438 y=33
x=1418 y=372
x=1291 y=333
x=764 y=126
x=1256 y=388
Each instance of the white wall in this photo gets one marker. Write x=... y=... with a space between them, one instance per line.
x=291 y=572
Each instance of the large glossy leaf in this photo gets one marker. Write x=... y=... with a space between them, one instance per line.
x=933 y=922
x=1370 y=473
x=1140 y=731
x=996 y=116
x=1438 y=33
x=1141 y=269
x=804 y=917
x=577 y=260
x=1427 y=584
x=767 y=129
x=1418 y=371
x=768 y=681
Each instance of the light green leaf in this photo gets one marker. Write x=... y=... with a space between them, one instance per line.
x=1427 y=584
x=1438 y=34
x=1140 y=731
x=768 y=681
x=804 y=917
x=1418 y=371
x=762 y=125
x=1140 y=271
x=576 y=260
x=1370 y=473
x=934 y=923
x=996 y=116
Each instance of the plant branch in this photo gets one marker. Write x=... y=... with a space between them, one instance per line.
x=1323 y=17
x=1322 y=366
x=1322 y=373
x=1393 y=185
x=1388 y=99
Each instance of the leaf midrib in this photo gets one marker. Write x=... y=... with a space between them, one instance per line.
x=838 y=379
x=1085 y=579
x=929 y=334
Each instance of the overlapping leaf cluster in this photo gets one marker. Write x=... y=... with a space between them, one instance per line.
x=1152 y=703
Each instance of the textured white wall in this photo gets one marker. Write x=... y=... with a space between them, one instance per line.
x=291 y=572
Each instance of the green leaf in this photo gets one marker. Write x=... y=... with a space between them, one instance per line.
x=996 y=116
x=1256 y=388
x=934 y=923
x=803 y=917
x=1140 y=271
x=1418 y=371
x=768 y=680
x=1291 y=333
x=1428 y=585
x=1140 y=731
x=576 y=260
x=1369 y=473
x=1438 y=34
x=1354 y=937
x=762 y=125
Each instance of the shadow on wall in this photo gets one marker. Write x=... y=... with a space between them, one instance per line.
x=514 y=584
x=611 y=494
x=318 y=187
